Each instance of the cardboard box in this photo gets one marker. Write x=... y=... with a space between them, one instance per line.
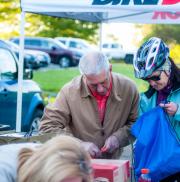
x=111 y=170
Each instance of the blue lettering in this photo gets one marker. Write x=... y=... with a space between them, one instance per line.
x=114 y=2
x=125 y=2
x=101 y=2
x=150 y=2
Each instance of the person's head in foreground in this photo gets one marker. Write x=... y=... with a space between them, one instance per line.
x=61 y=159
x=153 y=64
x=96 y=69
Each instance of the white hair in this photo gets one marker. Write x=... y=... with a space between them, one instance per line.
x=93 y=62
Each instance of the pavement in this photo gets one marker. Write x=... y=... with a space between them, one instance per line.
x=127 y=155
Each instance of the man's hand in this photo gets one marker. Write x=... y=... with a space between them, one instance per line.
x=93 y=150
x=170 y=108
x=110 y=145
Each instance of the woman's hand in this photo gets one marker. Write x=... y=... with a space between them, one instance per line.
x=170 y=108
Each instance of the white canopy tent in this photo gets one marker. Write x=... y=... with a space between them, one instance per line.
x=134 y=11
x=149 y=11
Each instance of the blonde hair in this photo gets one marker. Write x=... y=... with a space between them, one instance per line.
x=59 y=158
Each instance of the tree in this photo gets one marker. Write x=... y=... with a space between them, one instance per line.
x=169 y=33
x=9 y=18
x=38 y=25
x=54 y=27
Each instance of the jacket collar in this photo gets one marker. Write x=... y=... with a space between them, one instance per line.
x=176 y=86
x=116 y=88
x=85 y=92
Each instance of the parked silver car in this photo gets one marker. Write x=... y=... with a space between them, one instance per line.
x=76 y=45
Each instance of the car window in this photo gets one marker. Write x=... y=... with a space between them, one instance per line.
x=16 y=41
x=45 y=44
x=74 y=44
x=7 y=64
x=14 y=47
x=84 y=45
x=114 y=46
x=59 y=44
x=32 y=42
x=105 y=45
x=63 y=41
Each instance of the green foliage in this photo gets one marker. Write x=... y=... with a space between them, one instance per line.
x=168 y=33
x=55 y=27
x=54 y=80
x=41 y=25
x=9 y=18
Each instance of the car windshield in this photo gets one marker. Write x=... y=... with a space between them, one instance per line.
x=13 y=46
x=74 y=43
x=83 y=44
x=60 y=44
x=115 y=46
x=7 y=64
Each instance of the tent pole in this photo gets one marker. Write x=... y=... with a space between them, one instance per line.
x=100 y=36
x=20 y=74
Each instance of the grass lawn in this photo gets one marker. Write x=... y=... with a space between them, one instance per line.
x=51 y=81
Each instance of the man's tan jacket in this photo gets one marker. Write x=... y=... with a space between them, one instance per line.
x=75 y=109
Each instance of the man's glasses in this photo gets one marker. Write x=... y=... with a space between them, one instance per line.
x=153 y=78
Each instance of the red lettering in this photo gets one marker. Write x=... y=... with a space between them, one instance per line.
x=161 y=15
x=166 y=2
x=172 y=16
x=166 y=15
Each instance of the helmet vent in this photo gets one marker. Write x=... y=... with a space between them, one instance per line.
x=150 y=62
x=154 y=49
x=141 y=65
x=146 y=52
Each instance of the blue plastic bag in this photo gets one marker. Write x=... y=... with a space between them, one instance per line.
x=156 y=147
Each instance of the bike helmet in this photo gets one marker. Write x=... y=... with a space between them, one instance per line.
x=150 y=56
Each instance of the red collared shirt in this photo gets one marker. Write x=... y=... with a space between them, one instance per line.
x=102 y=100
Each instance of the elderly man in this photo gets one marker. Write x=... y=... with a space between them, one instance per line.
x=97 y=107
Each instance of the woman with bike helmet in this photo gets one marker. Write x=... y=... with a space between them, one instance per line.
x=153 y=64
